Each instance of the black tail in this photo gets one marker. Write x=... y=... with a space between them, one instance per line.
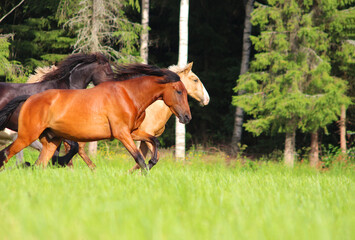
x=7 y=111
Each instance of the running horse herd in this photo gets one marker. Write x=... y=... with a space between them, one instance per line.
x=128 y=102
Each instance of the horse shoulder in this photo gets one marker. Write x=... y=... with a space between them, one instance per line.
x=119 y=107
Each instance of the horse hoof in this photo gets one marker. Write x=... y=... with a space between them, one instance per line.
x=24 y=165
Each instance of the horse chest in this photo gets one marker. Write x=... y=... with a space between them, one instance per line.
x=139 y=121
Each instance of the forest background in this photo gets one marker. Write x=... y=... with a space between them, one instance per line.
x=38 y=38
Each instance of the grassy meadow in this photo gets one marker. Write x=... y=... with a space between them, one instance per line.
x=203 y=198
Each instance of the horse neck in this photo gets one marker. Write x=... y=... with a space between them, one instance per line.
x=143 y=92
x=80 y=79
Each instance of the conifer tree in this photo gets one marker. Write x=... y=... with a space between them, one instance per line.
x=101 y=26
x=289 y=85
x=341 y=29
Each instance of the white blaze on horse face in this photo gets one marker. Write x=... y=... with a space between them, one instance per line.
x=206 y=96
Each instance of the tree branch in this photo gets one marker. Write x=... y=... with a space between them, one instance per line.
x=11 y=10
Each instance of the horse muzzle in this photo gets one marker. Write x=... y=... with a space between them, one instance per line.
x=185 y=118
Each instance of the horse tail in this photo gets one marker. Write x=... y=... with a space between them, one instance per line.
x=9 y=108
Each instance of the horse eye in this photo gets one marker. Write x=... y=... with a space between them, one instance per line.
x=195 y=80
x=179 y=92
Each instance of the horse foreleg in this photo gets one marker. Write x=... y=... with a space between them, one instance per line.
x=127 y=141
x=143 y=147
x=49 y=147
x=148 y=141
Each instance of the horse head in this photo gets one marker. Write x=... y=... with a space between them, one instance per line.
x=175 y=97
x=192 y=83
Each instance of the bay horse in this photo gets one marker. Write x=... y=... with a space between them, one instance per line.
x=74 y=72
x=113 y=109
x=158 y=113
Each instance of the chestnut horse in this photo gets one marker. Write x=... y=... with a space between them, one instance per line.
x=158 y=113
x=114 y=109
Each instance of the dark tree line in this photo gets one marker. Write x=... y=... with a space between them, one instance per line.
x=215 y=47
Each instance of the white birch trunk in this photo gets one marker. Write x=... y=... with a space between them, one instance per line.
x=239 y=112
x=314 y=153
x=290 y=148
x=145 y=34
x=342 y=129
x=92 y=148
x=183 y=51
x=94 y=48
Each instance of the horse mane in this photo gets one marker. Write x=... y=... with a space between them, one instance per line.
x=129 y=71
x=68 y=64
x=176 y=68
x=39 y=73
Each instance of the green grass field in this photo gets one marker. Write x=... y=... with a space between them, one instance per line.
x=197 y=199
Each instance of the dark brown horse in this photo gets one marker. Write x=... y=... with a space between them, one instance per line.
x=113 y=109
x=75 y=72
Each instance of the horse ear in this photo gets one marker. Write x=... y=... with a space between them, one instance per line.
x=188 y=68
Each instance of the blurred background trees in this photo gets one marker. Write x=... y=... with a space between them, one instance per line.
x=41 y=33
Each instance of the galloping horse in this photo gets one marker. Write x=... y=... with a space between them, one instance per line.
x=158 y=113
x=75 y=72
x=114 y=109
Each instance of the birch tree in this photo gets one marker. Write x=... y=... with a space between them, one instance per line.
x=145 y=33
x=183 y=51
x=239 y=112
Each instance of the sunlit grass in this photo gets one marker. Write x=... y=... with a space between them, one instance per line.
x=197 y=199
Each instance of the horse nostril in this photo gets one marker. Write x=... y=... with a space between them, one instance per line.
x=187 y=118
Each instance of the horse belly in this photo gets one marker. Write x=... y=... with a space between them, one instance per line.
x=85 y=128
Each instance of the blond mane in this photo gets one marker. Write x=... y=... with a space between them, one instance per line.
x=176 y=68
x=39 y=73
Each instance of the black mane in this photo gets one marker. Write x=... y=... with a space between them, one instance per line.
x=68 y=64
x=129 y=71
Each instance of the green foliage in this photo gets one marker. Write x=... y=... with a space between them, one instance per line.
x=289 y=85
x=10 y=70
x=102 y=26
x=4 y=55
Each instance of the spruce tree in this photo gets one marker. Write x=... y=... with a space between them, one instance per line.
x=289 y=85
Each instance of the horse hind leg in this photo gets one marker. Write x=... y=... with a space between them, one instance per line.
x=13 y=148
x=49 y=147
x=85 y=157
